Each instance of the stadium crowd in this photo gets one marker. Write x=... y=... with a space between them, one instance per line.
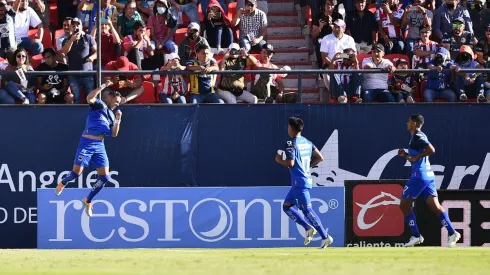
x=203 y=36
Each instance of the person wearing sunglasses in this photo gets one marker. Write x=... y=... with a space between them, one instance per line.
x=19 y=86
x=444 y=15
x=453 y=41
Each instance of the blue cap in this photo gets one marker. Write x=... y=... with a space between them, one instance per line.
x=442 y=51
x=458 y=19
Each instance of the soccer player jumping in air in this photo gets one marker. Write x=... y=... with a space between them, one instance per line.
x=422 y=183
x=101 y=122
x=301 y=154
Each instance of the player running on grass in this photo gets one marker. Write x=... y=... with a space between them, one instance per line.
x=301 y=154
x=422 y=183
x=101 y=122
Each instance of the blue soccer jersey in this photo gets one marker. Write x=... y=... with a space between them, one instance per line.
x=300 y=149
x=421 y=168
x=100 y=119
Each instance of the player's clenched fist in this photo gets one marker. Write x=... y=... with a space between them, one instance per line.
x=118 y=114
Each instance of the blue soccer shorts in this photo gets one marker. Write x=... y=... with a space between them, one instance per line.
x=91 y=151
x=299 y=196
x=419 y=187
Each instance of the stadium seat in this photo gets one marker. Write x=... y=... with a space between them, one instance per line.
x=36 y=60
x=199 y=11
x=180 y=35
x=372 y=8
x=148 y=95
x=53 y=15
x=360 y=57
x=47 y=39
x=231 y=10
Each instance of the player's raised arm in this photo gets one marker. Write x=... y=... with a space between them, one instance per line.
x=316 y=157
x=92 y=96
x=117 y=123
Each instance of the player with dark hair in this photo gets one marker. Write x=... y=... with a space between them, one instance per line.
x=300 y=155
x=422 y=183
x=101 y=122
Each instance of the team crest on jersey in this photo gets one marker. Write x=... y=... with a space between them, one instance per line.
x=463 y=40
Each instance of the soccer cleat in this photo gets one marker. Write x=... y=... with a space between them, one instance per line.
x=414 y=241
x=59 y=189
x=88 y=207
x=326 y=242
x=309 y=235
x=453 y=239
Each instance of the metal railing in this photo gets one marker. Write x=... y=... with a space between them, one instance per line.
x=299 y=73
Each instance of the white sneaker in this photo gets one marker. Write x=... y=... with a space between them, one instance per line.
x=25 y=101
x=453 y=239
x=402 y=101
x=342 y=99
x=88 y=207
x=328 y=241
x=414 y=241
x=309 y=235
x=410 y=99
x=463 y=97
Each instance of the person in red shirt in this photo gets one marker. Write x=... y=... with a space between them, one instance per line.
x=130 y=86
x=110 y=41
x=389 y=18
x=139 y=50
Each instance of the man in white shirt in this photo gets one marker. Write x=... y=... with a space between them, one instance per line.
x=334 y=43
x=375 y=85
x=26 y=17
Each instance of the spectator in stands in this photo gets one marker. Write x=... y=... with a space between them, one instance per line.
x=7 y=31
x=389 y=18
x=139 y=50
x=87 y=10
x=145 y=8
x=482 y=49
x=252 y=24
x=188 y=47
x=41 y=7
x=26 y=17
x=334 y=43
x=162 y=26
x=127 y=19
x=362 y=27
x=268 y=86
x=485 y=15
x=414 y=18
x=468 y=85
x=120 y=4
x=19 y=86
x=202 y=83
x=444 y=15
x=453 y=41
x=324 y=27
x=53 y=88
x=187 y=7
x=402 y=84
x=424 y=48
x=110 y=41
x=218 y=27
x=346 y=86
x=129 y=86
x=109 y=12
x=376 y=85
x=232 y=86
x=438 y=82
x=475 y=15
x=66 y=9
x=224 y=5
x=81 y=51
x=67 y=33
x=172 y=88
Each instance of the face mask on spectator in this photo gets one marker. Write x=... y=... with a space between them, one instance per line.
x=465 y=59
x=192 y=35
x=161 y=10
x=478 y=6
x=450 y=6
x=439 y=60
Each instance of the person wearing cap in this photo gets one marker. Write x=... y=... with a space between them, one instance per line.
x=482 y=48
x=53 y=88
x=188 y=47
x=187 y=7
x=172 y=88
x=127 y=19
x=334 y=43
x=110 y=41
x=232 y=87
x=129 y=86
x=458 y=37
x=444 y=15
x=468 y=85
x=217 y=25
x=80 y=49
x=389 y=18
x=438 y=82
x=475 y=7
x=25 y=18
x=375 y=85
x=252 y=24
x=414 y=18
x=7 y=39
x=362 y=27
x=402 y=84
x=202 y=82
x=162 y=26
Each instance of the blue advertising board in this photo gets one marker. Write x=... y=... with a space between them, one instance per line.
x=196 y=217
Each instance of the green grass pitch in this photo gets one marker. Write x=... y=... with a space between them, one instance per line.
x=308 y=260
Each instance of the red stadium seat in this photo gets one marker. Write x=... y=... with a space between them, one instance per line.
x=148 y=95
x=36 y=60
x=361 y=57
x=199 y=11
x=47 y=39
x=180 y=35
x=231 y=10
x=372 y=8
x=53 y=15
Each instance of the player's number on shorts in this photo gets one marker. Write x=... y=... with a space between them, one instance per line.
x=306 y=164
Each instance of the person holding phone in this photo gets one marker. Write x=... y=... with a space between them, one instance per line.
x=252 y=24
x=413 y=19
x=217 y=25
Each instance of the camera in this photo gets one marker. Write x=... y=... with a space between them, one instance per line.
x=345 y=56
x=234 y=52
x=77 y=30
